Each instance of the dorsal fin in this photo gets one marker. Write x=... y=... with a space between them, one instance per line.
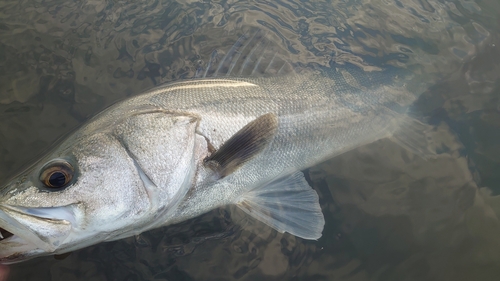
x=254 y=54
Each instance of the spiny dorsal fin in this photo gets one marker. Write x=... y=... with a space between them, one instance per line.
x=255 y=54
x=244 y=145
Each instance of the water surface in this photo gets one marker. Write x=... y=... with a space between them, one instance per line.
x=390 y=215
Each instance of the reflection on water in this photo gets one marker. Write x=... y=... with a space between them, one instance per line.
x=389 y=214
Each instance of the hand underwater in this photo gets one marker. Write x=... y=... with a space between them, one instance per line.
x=4 y=272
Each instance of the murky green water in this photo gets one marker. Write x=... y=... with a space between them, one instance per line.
x=389 y=214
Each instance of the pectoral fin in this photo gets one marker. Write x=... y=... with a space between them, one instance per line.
x=244 y=145
x=288 y=204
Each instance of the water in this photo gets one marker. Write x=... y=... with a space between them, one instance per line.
x=389 y=214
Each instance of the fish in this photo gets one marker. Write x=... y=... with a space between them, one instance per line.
x=185 y=148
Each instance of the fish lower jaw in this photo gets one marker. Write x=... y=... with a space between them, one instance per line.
x=31 y=232
x=14 y=249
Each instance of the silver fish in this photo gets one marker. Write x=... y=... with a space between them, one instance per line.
x=188 y=147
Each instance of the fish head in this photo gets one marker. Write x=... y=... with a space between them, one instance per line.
x=90 y=189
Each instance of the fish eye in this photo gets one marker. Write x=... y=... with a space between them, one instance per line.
x=57 y=174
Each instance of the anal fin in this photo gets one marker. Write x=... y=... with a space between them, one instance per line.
x=416 y=137
x=288 y=204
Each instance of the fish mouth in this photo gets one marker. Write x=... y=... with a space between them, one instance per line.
x=15 y=249
x=4 y=234
x=30 y=232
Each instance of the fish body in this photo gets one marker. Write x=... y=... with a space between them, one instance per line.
x=188 y=147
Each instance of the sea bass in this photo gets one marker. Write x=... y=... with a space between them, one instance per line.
x=188 y=147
